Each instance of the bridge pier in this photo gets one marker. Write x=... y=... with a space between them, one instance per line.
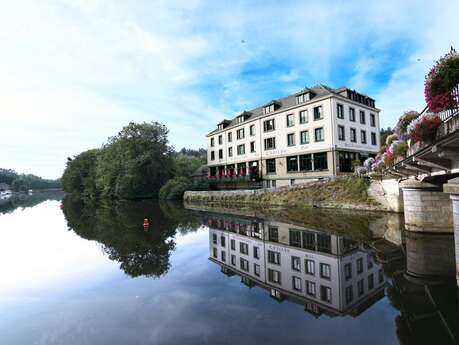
x=427 y=209
x=452 y=188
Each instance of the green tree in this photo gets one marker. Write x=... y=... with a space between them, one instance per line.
x=80 y=174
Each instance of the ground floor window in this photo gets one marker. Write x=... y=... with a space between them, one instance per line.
x=274 y=276
x=305 y=162
x=271 y=166
x=292 y=164
x=345 y=161
x=320 y=161
x=325 y=294
x=273 y=183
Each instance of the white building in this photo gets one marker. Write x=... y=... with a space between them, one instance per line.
x=326 y=273
x=317 y=132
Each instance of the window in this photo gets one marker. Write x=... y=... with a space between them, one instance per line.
x=230 y=152
x=341 y=135
x=318 y=114
x=310 y=267
x=240 y=133
x=352 y=114
x=291 y=139
x=270 y=143
x=244 y=264
x=320 y=161
x=220 y=154
x=292 y=181
x=273 y=183
x=212 y=155
x=233 y=245
x=212 y=142
x=274 y=276
x=359 y=265
x=296 y=263
x=273 y=234
x=324 y=243
x=304 y=97
x=223 y=256
x=347 y=271
x=252 y=146
x=304 y=116
x=304 y=137
x=319 y=134
x=373 y=138
x=340 y=111
x=363 y=136
x=362 y=117
x=268 y=125
x=372 y=120
x=271 y=166
x=240 y=119
x=290 y=120
x=309 y=240
x=296 y=283
x=241 y=149
x=215 y=253
x=273 y=257
x=295 y=238
x=230 y=137
x=252 y=130
x=349 y=294
x=325 y=294
x=233 y=260
x=325 y=271
x=369 y=262
x=256 y=269
x=353 y=135
x=360 y=287
x=380 y=276
x=292 y=164
x=244 y=248
x=371 y=282
x=256 y=252
x=220 y=139
x=310 y=288
x=223 y=241
x=214 y=239
x=306 y=162
x=269 y=109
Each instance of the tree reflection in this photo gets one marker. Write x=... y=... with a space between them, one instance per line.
x=118 y=227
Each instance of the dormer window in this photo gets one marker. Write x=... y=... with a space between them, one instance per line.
x=269 y=109
x=304 y=97
x=220 y=126
x=240 y=119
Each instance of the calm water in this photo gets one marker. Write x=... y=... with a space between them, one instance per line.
x=76 y=273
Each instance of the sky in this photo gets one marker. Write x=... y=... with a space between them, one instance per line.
x=74 y=72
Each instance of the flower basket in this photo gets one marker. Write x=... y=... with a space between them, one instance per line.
x=424 y=128
x=440 y=82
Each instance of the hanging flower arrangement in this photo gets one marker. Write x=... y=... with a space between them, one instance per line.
x=368 y=163
x=378 y=165
x=440 y=82
x=391 y=138
x=399 y=148
x=424 y=128
x=403 y=122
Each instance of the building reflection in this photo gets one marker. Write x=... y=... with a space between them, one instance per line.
x=328 y=274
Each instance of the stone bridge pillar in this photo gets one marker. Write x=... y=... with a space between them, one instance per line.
x=452 y=188
x=426 y=207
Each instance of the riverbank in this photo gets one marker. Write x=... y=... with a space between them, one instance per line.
x=344 y=193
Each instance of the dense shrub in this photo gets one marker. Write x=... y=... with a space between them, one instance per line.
x=174 y=188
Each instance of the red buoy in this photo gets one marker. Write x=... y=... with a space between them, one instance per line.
x=146 y=223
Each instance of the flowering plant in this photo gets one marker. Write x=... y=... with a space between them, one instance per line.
x=391 y=138
x=440 y=82
x=399 y=148
x=368 y=163
x=424 y=127
x=404 y=121
x=378 y=165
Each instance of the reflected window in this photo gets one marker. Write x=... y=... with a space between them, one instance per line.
x=256 y=252
x=296 y=263
x=347 y=271
x=325 y=294
x=349 y=294
x=359 y=265
x=223 y=256
x=223 y=241
x=274 y=276
x=215 y=253
x=295 y=238
x=296 y=283
x=380 y=276
x=369 y=262
x=273 y=257
x=371 y=282
x=324 y=243
x=243 y=248
x=360 y=287
x=233 y=245
x=310 y=267
x=309 y=240
x=244 y=264
x=256 y=269
x=325 y=271
x=233 y=260
x=310 y=288
x=214 y=239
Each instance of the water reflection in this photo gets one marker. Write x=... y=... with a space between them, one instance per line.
x=118 y=227
x=23 y=200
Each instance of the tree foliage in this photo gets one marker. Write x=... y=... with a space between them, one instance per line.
x=24 y=182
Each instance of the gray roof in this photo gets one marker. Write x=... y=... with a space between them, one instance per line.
x=285 y=102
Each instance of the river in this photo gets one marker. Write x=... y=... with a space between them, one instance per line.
x=91 y=273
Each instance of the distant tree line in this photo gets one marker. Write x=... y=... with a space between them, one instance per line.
x=24 y=182
x=134 y=164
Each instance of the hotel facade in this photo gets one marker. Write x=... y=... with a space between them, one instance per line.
x=315 y=133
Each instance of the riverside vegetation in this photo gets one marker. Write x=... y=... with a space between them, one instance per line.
x=134 y=164
x=24 y=182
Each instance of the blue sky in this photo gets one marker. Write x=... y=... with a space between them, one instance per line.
x=73 y=72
